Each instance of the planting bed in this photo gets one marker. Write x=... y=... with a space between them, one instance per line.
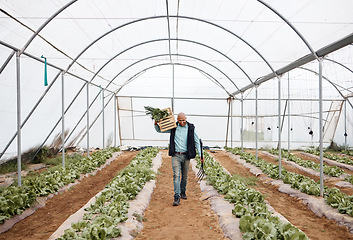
x=46 y=220
x=292 y=208
x=195 y=217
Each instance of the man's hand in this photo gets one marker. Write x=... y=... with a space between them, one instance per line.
x=201 y=159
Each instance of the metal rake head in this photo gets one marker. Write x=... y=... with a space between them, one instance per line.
x=201 y=173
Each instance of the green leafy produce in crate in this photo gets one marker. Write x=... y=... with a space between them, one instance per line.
x=156 y=113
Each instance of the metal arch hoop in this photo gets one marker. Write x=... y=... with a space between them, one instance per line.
x=291 y=26
x=45 y=24
x=162 y=55
x=157 y=17
x=173 y=39
x=165 y=64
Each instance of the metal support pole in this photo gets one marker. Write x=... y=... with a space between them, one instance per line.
x=321 y=130
x=242 y=123
x=231 y=123
x=345 y=125
x=117 y=103
x=289 y=115
x=279 y=129
x=173 y=90
x=132 y=120
x=256 y=123
x=62 y=119
x=18 y=72
x=114 y=121
x=87 y=117
x=103 y=117
x=228 y=116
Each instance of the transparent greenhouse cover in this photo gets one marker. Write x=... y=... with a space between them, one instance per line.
x=69 y=66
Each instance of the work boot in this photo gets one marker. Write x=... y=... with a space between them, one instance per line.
x=183 y=196
x=176 y=201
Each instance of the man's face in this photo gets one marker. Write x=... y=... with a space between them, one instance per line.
x=182 y=120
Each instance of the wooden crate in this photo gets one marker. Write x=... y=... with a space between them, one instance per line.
x=167 y=123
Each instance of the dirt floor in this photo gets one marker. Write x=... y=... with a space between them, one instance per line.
x=192 y=219
x=291 y=208
x=43 y=223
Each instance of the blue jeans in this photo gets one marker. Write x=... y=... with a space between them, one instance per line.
x=180 y=165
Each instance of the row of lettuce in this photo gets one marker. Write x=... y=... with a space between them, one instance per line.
x=256 y=221
x=14 y=200
x=337 y=158
x=334 y=157
x=332 y=171
x=333 y=196
x=111 y=206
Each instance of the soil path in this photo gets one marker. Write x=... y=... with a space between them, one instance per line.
x=43 y=223
x=291 y=208
x=192 y=219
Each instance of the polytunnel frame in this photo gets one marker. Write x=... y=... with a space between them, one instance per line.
x=195 y=19
x=150 y=18
x=168 y=16
x=254 y=49
x=189 y=18
x=138 y=20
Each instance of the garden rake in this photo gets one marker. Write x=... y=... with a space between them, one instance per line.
x=201 y=172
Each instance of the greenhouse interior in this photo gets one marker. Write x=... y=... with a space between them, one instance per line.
x=259 y=74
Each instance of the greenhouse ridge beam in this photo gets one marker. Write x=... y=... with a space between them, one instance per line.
x=301 y=61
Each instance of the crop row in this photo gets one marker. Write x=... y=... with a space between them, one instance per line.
x=14 y=199
x=333 y=171
x=111 y=206
x=333 y=196
x=256 y=221
x=347 y=152
x=334 y=157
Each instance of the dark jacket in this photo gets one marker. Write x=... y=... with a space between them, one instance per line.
x=191 y=151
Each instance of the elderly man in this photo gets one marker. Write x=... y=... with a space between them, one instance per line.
x=182 y=144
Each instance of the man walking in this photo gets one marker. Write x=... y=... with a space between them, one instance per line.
x=182 y=144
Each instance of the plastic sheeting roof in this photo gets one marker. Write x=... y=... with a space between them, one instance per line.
x=234 y=43
x=204 y=49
